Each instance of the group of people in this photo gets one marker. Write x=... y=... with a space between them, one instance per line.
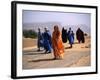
x=44 y=40
x=55 y=40
x=70 y=36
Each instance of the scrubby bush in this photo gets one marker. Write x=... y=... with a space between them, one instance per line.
x=29 y=33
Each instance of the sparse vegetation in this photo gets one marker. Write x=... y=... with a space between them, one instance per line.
x=29 y=33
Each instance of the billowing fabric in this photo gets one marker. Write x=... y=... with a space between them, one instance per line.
x=64 y=35
x=47 y=41
x=70 y=37
x=80 y=35
x=57 y=44
x=40 y=40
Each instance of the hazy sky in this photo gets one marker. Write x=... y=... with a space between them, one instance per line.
x=30 y=16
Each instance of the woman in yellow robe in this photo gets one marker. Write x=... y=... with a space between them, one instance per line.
x=57 y=43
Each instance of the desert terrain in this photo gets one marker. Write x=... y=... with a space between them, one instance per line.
x=77 y=56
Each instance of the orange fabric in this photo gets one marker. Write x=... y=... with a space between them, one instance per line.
x=57 y=43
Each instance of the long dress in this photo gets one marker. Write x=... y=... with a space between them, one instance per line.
x=71 y=38
x=57 y=44
x=47 y=41
x=80 y=35
x=64 y=35
x=40 y=40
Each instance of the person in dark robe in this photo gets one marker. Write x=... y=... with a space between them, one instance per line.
x=70 y=37
x=47 y=41
x=80 y=35
x=64 y=35
x=40 y=39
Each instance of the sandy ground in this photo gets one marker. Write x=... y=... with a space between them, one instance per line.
x=28 y=42
x=77 y=56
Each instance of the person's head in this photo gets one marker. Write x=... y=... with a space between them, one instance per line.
x=70 y=28
x=63 y=28
x=56 y=28
x=45 y=29
x=78 y=28
x=39 y=29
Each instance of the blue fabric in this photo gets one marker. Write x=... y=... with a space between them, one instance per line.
x=71 y=40
x=70 y=37
x=47 y=41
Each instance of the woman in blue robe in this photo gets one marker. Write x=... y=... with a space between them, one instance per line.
x=47 y=41
x=70 y=37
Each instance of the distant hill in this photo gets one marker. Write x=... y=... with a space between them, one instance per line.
x=49 y=25
x=35 y=26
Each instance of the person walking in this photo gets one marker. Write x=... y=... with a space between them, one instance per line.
x=58 y=48
x=70 y=37
x=40 y=39
x=47 y=41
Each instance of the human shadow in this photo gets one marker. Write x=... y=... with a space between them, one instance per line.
x=39 y=60
x=34 y=52
x=68 y=47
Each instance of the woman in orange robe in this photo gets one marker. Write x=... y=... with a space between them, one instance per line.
x=57 y=43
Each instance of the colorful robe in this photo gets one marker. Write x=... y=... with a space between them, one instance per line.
x=57 y=44
x=47 y=41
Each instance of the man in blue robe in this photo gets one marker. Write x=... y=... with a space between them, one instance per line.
x=47 y=41
x=73 y=36
x=40 y=39
x=70 y=37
